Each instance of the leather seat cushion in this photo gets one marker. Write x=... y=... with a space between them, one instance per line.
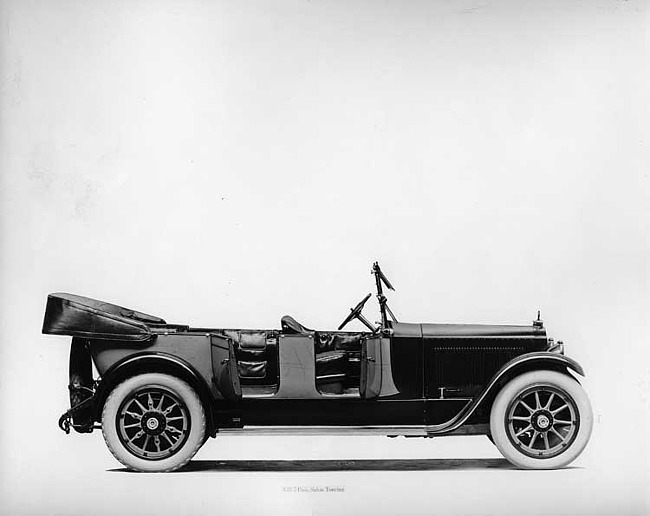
x=331 y=363
x=252 y=339
x=251 y=369
x=337 y=341
x=247 y=339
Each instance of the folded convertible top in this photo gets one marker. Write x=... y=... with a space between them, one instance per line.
x=78 y=316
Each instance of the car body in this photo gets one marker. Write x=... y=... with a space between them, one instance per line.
x=163 y=389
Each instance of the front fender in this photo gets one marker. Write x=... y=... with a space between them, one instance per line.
x=532 y=360
x=523 y=364
x=519 y=365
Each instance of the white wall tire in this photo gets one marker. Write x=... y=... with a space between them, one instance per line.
x=153 y=422
x=541 y=420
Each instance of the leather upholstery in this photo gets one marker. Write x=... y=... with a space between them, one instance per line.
x=331 y=363
x=252 y=340
x=247 y=339
x=337 y=354
x=337 y=358
x=257 y=355
x=251 y=369
x=290 y=325
x=333 y=341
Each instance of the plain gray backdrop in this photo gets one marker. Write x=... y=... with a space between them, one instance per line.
x=225 y=163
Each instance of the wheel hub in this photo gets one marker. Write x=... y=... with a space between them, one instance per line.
x=542 y=420
x=153 y=423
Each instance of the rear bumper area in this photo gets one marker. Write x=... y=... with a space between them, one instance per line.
x=81 y=390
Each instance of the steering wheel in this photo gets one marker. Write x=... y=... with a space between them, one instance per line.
x=355 y=312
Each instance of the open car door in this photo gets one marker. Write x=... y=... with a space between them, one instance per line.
x=370 y=384
x=224 y=367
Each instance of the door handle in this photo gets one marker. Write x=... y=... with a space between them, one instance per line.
x=225 y=361
x=370 y=359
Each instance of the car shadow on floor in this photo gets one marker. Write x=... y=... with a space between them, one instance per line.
x=343 y=465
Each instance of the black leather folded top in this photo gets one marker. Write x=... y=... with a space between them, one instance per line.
x=78 y=316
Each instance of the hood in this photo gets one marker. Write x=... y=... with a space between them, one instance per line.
x=466 y=330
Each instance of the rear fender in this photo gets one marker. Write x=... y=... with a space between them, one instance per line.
x=148 y=362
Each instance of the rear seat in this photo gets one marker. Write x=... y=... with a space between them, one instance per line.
x=256 y=352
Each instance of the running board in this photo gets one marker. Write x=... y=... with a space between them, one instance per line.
x=383 y=430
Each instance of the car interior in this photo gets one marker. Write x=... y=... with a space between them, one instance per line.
x=337 y=355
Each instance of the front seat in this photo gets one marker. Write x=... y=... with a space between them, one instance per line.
x=290 y=325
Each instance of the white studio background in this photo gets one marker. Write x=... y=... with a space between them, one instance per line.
x=225 y=163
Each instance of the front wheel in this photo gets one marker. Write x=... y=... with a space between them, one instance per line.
x=153 y=422
x=541 y=420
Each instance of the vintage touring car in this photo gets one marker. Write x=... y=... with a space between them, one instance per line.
x=163 y=389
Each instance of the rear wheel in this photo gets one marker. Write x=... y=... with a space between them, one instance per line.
x=541 y=420
x=153 y=422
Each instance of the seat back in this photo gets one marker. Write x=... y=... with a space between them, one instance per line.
x=290 y=325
